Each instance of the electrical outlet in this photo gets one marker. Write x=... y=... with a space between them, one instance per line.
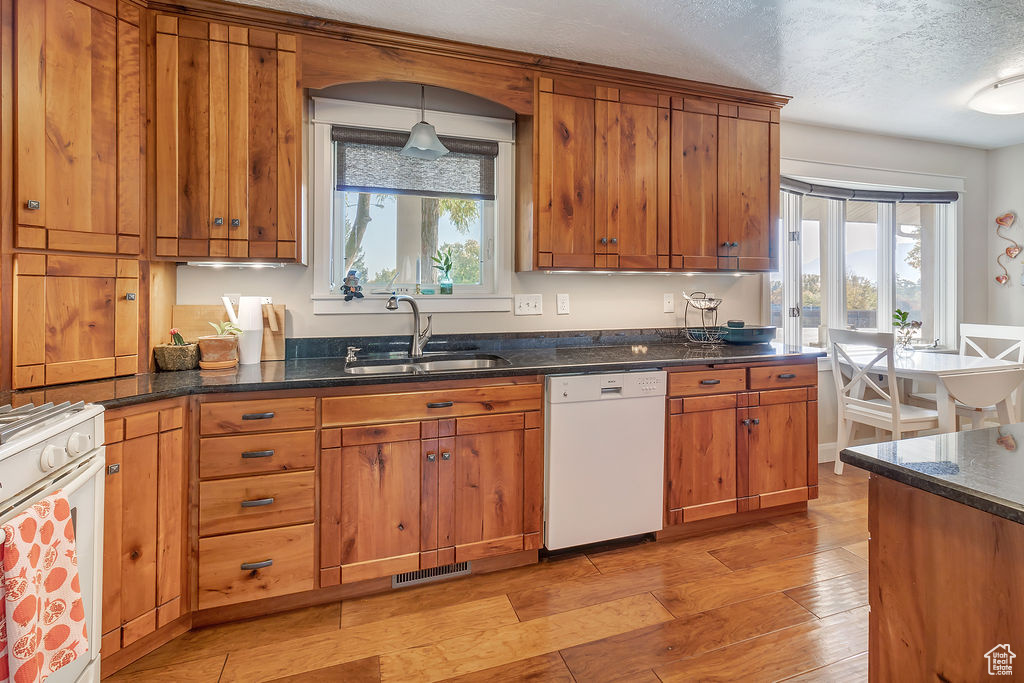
x=233 y=298
x=562 y=304
x=529 y=304
x=267 y=300
x=669 y=305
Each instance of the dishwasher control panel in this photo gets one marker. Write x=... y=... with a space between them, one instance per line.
x=605 y=386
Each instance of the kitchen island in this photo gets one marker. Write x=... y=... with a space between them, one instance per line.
x=946 y=520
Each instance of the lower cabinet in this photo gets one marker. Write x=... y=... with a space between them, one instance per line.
x=744 y=450
x=145 y=517
x=402 y=496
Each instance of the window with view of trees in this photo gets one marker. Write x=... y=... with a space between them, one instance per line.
x=864 y=259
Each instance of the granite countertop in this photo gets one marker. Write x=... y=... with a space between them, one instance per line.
x=315 y=373
x=981 y=468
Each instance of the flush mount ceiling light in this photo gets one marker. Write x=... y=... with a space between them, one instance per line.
x=1002 y=97
x=423 y=142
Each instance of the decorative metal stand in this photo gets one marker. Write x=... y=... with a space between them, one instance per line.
x=708 y=331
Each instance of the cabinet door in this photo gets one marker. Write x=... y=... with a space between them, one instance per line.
x=380 y=508
x=488 y=486
x=748 y=189
x=627 y=172
x=565 y=235
x=694 y=186
x=701 y=462
x=75 y=318
x=66 y=156
x=777 y=453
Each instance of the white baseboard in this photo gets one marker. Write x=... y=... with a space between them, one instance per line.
x=827 y=452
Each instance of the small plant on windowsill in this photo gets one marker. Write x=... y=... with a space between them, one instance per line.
x=905 y=330
x=443 y=263
x=178 y=355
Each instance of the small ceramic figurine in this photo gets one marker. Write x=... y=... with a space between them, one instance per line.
x=351 y=287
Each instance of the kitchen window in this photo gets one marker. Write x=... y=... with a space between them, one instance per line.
x=386 y=215
x=851 y=261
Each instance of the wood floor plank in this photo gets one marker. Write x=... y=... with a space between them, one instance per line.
x=591 y=590
x=204 y=669
x=822 y=514
x=498 y=646
x=549 y=668
x=859 y=549
x=832 y=596
x=629 y=558
x=791 y=545
x=476 y=587
x=613 y=658
x=300 y=655
x=850 y=670
x=745 y=584
x=244 y=634
x=364 y=670
x=778 y=655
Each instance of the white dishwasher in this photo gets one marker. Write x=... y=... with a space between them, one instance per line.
x=604 y=456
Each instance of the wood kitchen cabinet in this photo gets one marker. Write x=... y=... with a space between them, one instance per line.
x=402 y=496
x=740 y=440
x=75 y=318
x=227 y=142
x=748 y=188
x=144 y=524
x=78 y=125
x=693 y=183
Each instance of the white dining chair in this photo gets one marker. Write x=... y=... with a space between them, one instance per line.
x=974 y=391
x=972 y=339
x=884 y=411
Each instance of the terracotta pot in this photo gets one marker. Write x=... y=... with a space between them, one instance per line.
x=218 y=348
x=176 y=357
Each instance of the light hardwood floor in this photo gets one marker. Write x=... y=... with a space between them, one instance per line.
x=784 y=599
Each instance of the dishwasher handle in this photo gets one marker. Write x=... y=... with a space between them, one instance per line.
x=610 y=390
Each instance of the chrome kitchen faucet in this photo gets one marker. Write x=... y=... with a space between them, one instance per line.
x=419 y=339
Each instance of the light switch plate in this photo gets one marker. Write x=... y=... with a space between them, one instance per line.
x=670 y=303
x=529 y=304
x=562 y=304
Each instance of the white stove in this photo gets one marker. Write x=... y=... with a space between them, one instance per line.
x=50 y=447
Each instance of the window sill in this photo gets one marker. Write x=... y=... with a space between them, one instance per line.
x=428 y=303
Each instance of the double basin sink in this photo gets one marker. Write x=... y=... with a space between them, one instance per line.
x=429 y=362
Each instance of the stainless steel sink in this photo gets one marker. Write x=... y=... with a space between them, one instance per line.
x=440 y=362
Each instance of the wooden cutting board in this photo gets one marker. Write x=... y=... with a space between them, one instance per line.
x=194 y=321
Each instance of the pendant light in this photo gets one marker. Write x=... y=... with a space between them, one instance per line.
x=1003 y=97
x=423 y=142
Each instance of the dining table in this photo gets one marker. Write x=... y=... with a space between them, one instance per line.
x=935 y=367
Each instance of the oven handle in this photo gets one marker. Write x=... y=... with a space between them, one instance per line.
x=79 y=477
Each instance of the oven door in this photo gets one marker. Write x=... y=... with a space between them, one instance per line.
x=82 y=482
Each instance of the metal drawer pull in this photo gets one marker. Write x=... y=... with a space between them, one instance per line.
x=257 y=454
x=711 y=381
x=787 y=375
x=259 y=502
x=441 y=404
x=249 y=566
x=257 y=416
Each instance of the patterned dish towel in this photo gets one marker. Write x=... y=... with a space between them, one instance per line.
x=42 y=618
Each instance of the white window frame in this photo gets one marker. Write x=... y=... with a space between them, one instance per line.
x=497 y=255
x=834 y=272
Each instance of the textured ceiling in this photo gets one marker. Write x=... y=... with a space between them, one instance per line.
x=900 y=67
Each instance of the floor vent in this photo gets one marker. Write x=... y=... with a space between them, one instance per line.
x=426 y=575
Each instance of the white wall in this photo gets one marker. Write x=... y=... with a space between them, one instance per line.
x=1006 y=193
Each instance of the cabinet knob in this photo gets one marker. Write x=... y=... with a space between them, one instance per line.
x=431 y=457
x=757 y=421
x=446 y=456
x=746 y=422
x=32 y=204
x=130 y=296
x=734 y=244
x=615 y=240
x=604 y=240
x=235 y=222
x=401 y=527
x=218 y=221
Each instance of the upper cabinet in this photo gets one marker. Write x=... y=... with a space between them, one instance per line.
x=79 y=127
x=227 y=142
x=641 y=180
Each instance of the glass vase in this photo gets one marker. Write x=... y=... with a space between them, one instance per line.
x=445 y=283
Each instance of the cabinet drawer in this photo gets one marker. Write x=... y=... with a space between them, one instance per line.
x=782 y=376
x=706 y=382
x=257 y=416
x=225 y=456
x=255 y=565
x=247 y=503
x=419 y=405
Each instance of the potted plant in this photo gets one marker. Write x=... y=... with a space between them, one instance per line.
x=905 y=330
x=220 y=350
x=443 y=262
x=177 y=355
